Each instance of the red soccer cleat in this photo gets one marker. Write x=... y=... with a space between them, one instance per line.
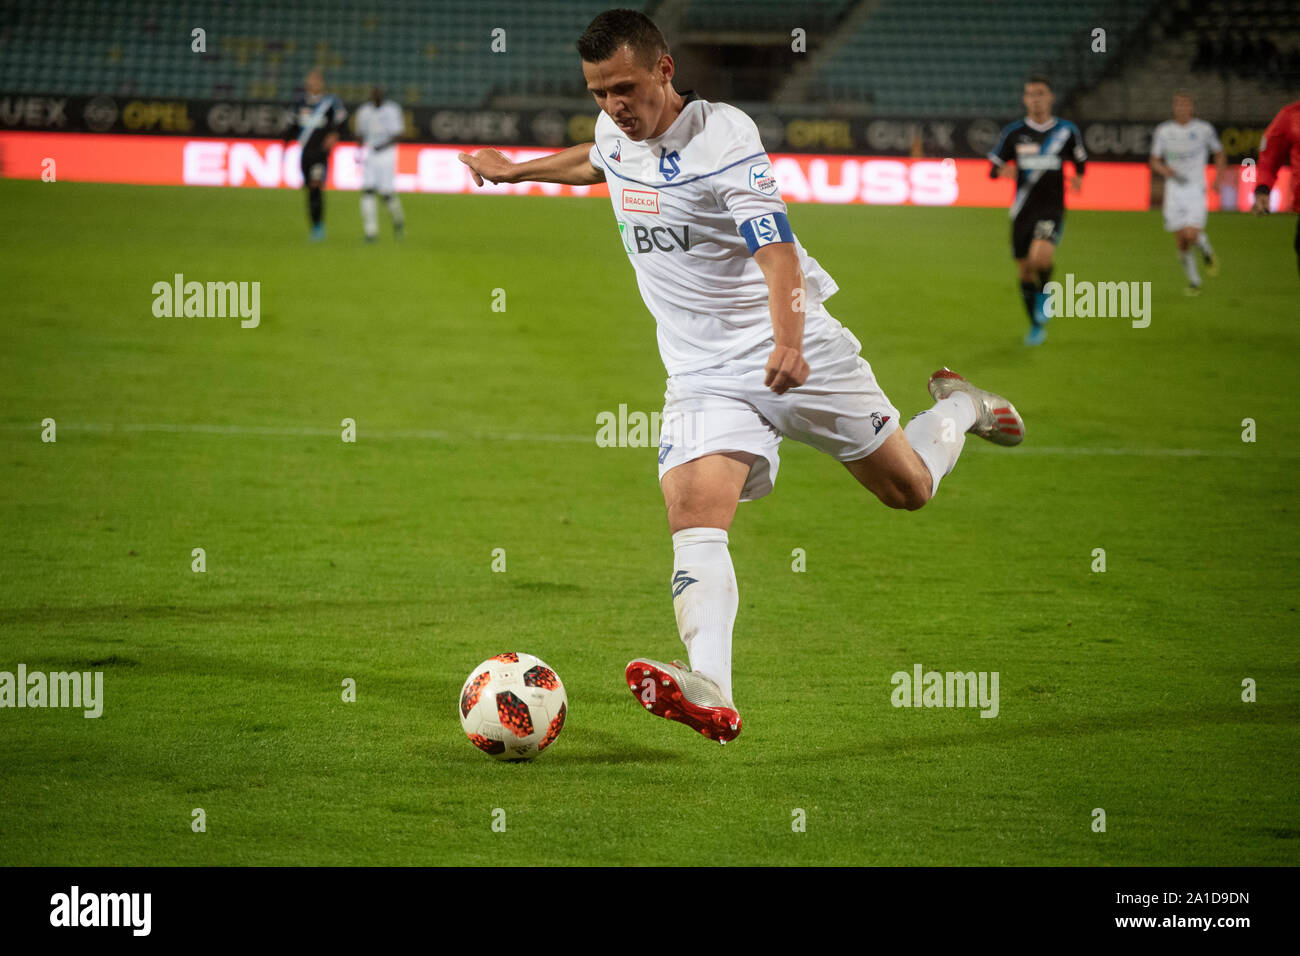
x=675 y=692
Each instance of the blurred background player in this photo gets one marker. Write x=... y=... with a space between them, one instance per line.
x=379 y=127
x=315 y=119
x=1180 y=149
x=1280 y=147
x=1037 y=145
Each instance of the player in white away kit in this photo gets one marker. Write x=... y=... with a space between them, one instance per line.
x=1180 y=149
x=752 y=354
x=379 y=127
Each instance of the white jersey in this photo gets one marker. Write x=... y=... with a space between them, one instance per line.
x=377 y=124
x=1186 y=149
x=692 y=207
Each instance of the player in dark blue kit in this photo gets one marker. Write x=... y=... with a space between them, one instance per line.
x=315 y=120
x=1038 y=145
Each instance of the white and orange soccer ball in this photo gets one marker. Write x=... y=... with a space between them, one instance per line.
x=513 y=706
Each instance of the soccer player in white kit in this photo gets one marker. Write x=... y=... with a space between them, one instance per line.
x=1180 y=149
x=751 y=353
x=379 y=127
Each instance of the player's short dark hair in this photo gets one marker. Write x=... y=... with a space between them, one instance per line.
x=1038 y=78
x=615 y=29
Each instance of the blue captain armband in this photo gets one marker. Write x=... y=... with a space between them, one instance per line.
x=766 y=229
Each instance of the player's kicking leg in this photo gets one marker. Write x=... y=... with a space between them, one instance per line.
x=701 y=497
x=905 y=470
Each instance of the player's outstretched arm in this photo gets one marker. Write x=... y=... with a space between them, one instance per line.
x=571 y=167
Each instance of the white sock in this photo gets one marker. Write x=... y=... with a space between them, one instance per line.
x=369 y=214
x=395 y=210
x=1203 y=242
x=705 y=600
x=938 y=434
x=1189 y=266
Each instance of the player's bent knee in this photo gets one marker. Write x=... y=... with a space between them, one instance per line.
x=905 y=495
x=904 y=500
x=915 y=497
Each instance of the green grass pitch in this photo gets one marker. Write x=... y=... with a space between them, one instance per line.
x=476 y=430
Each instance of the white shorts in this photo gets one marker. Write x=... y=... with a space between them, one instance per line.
x=378 y=170
x=1184 y=206
x=840 y=409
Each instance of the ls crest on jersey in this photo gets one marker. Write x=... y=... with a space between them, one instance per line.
x=670 y=164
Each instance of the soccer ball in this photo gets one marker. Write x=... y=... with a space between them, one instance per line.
x=512 y=706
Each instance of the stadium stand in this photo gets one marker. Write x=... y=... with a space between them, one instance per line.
x=1240 y=59
x=864 y=57
x=813 y=16
x=424 y=52
x=898 y=64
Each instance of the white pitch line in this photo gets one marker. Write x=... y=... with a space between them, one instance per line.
x=290 y=431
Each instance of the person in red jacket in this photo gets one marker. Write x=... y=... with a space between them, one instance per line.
x=1280 y=146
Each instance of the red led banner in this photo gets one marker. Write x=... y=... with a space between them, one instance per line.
x=176 y=161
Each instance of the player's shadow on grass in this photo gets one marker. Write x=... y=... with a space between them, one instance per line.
x=615 y=748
